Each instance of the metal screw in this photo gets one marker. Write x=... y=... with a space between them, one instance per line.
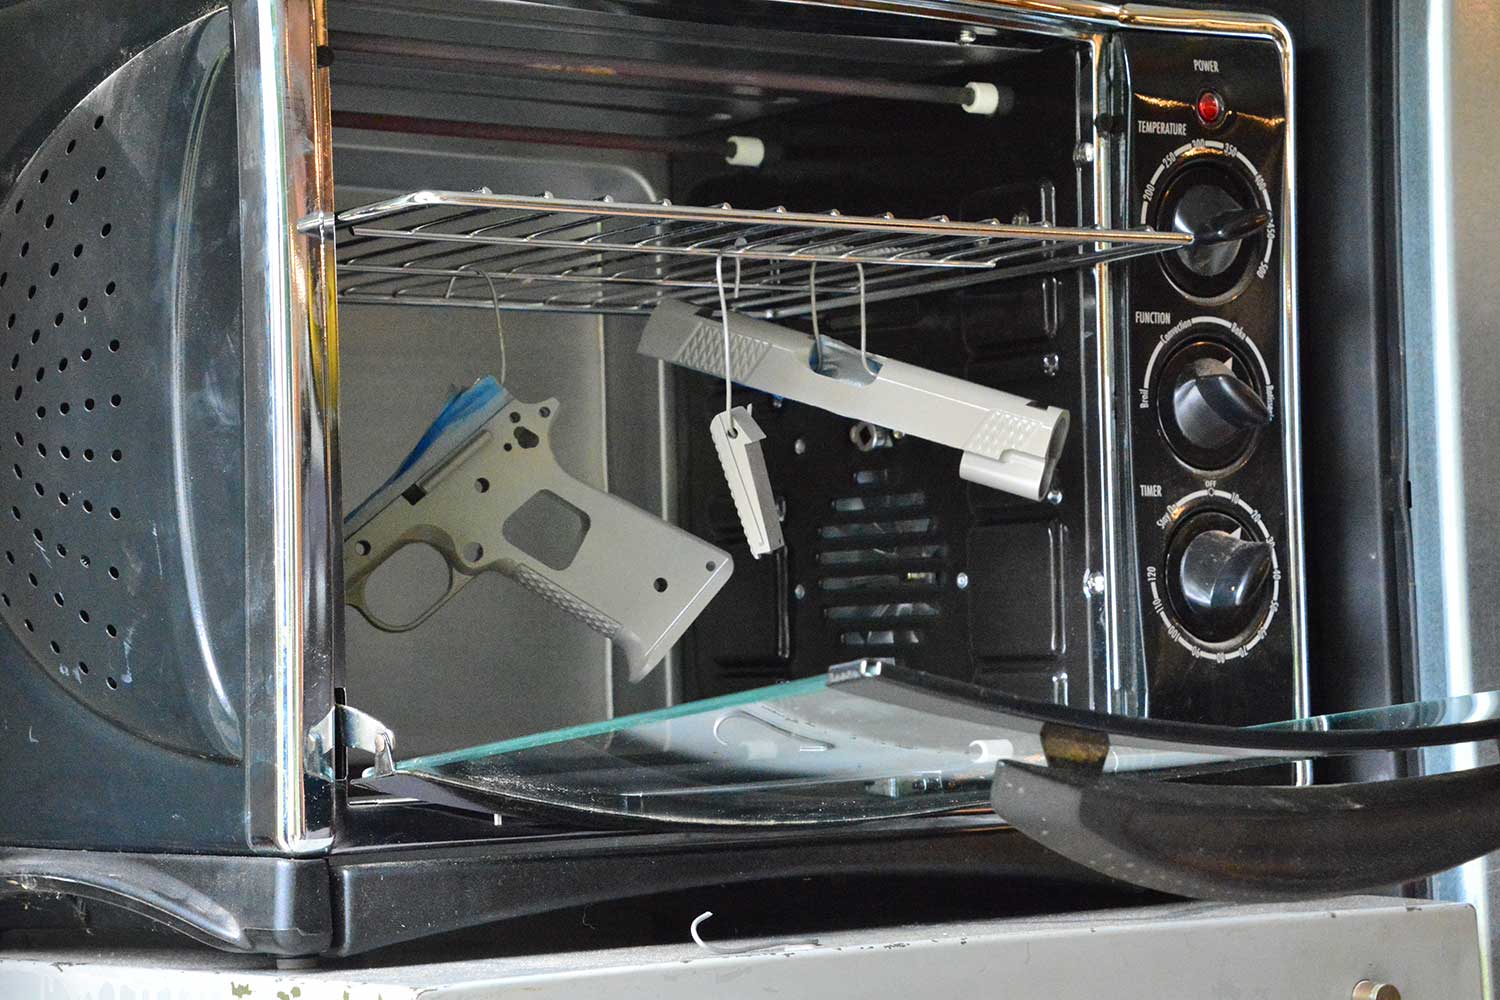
x=867 y=437
x=1083 y=153
x=799 y=446
x=1095 y=583
x=961 y=581
x=799 y=592
x=966 y=36
x=1050 y=364
x=1054 y=496
x=1367 y=989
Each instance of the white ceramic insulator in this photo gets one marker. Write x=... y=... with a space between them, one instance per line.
x=745 y=151
x=989 y=751
x=984 y=98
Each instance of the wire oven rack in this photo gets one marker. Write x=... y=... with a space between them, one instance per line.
x=555 y=254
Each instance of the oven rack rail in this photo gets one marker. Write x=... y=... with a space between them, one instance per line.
x=543 y=253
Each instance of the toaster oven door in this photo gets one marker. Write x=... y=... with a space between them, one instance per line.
x=123 y=606
x=871 y=741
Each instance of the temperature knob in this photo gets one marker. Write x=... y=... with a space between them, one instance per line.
x=1210 y=404
x=1210 y=201
x=1217 y=570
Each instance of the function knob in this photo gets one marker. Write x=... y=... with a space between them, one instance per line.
x=1213 y=405
x=1210 y=403
x=1217 y=570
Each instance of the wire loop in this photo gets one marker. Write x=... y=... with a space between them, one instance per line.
x=724 y=323
x=495 y=302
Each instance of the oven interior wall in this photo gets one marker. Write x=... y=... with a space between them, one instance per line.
x=497 y=660
x=889 y=553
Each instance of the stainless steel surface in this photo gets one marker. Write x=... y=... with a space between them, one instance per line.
x=349 y=727
x=123 y=574
x=1450 y=259
x=1170 y=952
x=601 y=102
x=425 y=248
x=499 y=661
x=1291 y=389
x=531 y=134
x=291 y=407
x=1113 y=606
x=619 y=70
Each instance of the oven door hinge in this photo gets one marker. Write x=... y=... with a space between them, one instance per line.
x=319 y=224
x=349 y=727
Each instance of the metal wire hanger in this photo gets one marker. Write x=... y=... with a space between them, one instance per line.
x=724 y=323
x=495 y=303
x=817 y=335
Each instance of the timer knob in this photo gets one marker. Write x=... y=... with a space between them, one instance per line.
x=1216 y=576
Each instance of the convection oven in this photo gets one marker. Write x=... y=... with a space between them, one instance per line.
x=469 y=458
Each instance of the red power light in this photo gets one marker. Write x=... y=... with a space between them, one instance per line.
x=1210 y=107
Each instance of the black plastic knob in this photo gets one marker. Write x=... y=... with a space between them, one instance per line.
x=1210 y=402
x=1231 y=226
x=1213 y=202
x=1213 y=406
x=1218 y=571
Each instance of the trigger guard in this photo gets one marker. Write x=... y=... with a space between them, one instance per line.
x=355 y=597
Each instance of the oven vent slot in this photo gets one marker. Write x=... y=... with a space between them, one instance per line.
x=893 y=611
x=480 y=249
x=879 y=502
x=880 y=581
x=866 y=638
x=877 y=529
x=880 y=556
x=875 y=477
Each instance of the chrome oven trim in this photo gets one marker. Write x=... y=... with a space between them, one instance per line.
x=291 y=405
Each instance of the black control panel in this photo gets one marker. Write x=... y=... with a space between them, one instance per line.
x=1208 y=403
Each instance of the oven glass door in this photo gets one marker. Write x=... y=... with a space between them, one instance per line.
x=1126 y=796
x=868 y=740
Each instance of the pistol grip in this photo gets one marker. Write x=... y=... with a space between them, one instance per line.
x=499 y=502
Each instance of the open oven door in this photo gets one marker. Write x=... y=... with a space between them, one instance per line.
x=870 y=741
